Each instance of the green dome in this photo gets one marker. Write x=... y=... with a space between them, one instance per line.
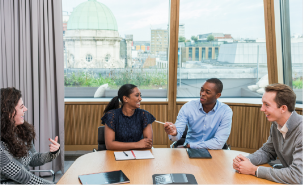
x=92 y=15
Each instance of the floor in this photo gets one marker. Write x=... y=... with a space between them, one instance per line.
x=70 y=157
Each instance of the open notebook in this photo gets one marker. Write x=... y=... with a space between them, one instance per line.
x=133 y=154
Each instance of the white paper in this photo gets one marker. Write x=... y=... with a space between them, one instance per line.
x=121 y=156
x=146 y=154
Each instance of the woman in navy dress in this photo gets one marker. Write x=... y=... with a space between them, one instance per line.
x=128 y=127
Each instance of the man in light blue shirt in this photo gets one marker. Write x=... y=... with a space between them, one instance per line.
x=208 y=120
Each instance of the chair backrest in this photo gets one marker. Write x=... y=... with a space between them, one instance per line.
x=181 y=141
x=101 y=139
x=185 y=132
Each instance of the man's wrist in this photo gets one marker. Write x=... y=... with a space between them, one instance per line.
x=255 y=169
x=186 y=145
x=175 y=134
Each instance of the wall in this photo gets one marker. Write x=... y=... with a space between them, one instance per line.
x=82 y=120
x=250 y=129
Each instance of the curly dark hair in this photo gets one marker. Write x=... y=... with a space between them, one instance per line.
x=18 y=138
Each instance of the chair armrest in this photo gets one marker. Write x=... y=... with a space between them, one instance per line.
x=51 y=171
x=94 y=150
x=277 y=166
x=174 y=145
x=226 y=147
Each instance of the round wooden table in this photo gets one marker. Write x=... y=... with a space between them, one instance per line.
x=217 y=170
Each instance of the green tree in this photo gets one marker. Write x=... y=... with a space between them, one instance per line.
x=182 y=39
x=194 y=38
x=210 y=38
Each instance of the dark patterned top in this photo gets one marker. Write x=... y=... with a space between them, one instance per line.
x=127 y=128
x=16 y=170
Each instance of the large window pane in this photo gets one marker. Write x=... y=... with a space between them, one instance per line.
x=112 y=43
x=295 y=13
x=225 y=40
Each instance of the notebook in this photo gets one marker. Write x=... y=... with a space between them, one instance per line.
x=198 y=153
x=113 y=177
x=133 y=154
x=174 y=178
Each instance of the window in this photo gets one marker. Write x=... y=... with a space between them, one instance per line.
x=216 y=52
x=190 y=53
x=210 y=49
x=88 y=58
x=231 y=35
x=203 y=53
x=107 y=57
x=296 y=36
x=196 y=54
x=98 y=51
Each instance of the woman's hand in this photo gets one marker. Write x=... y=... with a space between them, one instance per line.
x=55 y=145
x=145 y=143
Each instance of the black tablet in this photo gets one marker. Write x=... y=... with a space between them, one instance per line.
x=113 y=177
x=198 y=153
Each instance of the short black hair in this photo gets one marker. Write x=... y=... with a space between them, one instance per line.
x=217 y=82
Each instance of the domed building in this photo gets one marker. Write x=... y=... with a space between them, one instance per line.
x=92 y=39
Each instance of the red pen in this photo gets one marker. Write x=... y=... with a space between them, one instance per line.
x=133 y=154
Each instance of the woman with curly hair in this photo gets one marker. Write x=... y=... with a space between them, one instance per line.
x=17 y=151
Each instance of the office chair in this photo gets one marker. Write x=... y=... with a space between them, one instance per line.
x=101 y=139
x=175 y=144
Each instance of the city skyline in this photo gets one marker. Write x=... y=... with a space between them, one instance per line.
x=199 y=17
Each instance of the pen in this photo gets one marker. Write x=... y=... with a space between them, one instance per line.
x=125 y=153
x=159 y=122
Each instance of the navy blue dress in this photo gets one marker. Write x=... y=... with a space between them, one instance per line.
x=127 y=128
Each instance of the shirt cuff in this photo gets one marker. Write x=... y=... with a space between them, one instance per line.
x=173 y=138
x=193 y=145
x=56 y=151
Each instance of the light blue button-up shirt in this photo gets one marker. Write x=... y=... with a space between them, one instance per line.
x=205 y=130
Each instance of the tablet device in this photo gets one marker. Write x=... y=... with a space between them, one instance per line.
x=113 y=177
x=174 y=178
x=198 y=153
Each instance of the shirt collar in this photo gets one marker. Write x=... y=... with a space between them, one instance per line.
x=283 y=129
x=214 y=109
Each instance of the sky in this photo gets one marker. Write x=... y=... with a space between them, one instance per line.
x=240 y=18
